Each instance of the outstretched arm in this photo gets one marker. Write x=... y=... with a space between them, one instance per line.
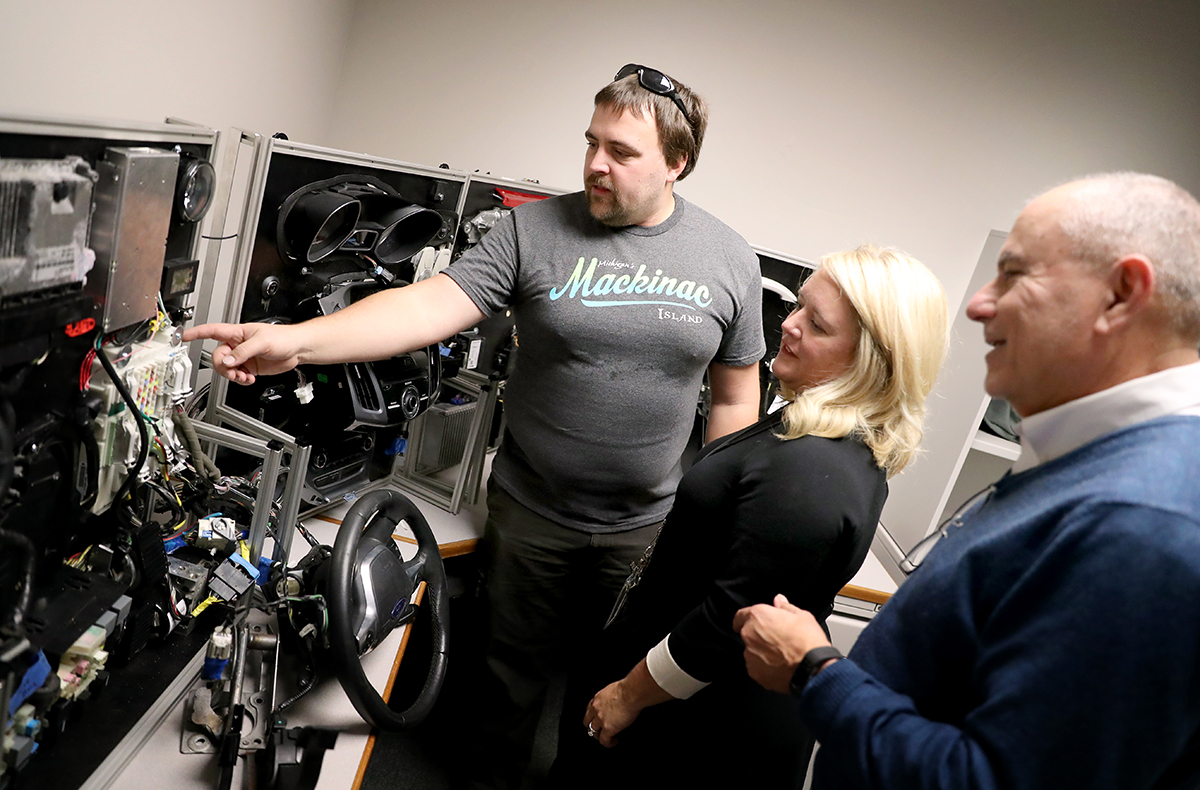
x=382 y=325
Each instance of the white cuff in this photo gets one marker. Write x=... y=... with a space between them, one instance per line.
x=668 y=675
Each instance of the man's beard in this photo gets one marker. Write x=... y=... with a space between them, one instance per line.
x=610 y=210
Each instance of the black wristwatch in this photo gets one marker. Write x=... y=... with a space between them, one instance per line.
x=809 y=665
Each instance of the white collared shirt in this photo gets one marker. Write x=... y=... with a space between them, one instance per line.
x=1056 y=432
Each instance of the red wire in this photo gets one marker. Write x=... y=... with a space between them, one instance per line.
x=85 y=372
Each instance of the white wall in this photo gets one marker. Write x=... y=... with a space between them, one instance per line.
x=918 y=123
x=834 y=122
x=264 y=65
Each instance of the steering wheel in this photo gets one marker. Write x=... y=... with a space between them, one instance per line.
x=370 y=591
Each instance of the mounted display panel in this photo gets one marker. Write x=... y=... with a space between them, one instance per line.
x=445 y=448
x=101 y=482
x=322 y=229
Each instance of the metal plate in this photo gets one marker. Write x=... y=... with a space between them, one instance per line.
x=129 y=232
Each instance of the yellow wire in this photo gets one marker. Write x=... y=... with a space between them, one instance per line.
x=77 y=560
x=205 y=604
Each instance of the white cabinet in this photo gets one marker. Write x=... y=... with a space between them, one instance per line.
x=957 y=458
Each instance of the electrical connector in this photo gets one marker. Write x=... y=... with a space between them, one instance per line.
x=216 y=656
x=21 y=749
x=121 y=608
x=216 y=533
x=25 y=721
x=232 y=577
x=86 y=647
x=178 y=376
x=108 y=621
x=82 y=662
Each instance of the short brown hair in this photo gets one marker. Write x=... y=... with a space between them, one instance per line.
x=678 y=137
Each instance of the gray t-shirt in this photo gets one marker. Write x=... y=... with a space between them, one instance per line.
x=616 y=328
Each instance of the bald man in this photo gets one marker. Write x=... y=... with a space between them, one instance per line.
x=1049 y=638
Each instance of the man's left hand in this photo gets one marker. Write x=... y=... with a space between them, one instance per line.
x=777 y=638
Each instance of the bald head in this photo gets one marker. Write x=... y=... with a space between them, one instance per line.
x=1097 y=284
x=1110 y=216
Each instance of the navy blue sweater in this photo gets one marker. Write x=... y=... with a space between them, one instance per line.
x=1051 y=641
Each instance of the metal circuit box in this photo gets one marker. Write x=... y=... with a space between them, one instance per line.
x=134 y=196
x=445 y=430
x=45 y=205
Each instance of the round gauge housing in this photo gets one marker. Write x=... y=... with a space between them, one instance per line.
x=194 y=188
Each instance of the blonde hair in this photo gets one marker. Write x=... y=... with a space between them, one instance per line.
x=903 y=339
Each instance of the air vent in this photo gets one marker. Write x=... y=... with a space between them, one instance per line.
x=364 y=392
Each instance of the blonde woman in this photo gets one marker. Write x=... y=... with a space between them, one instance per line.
x=789 y=504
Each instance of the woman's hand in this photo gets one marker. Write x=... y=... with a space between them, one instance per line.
x=610 y=712
x=618 y=705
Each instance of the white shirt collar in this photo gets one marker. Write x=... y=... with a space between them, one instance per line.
x=1056 y=432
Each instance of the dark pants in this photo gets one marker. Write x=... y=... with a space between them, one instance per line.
x=548 y=590
x=731 y=734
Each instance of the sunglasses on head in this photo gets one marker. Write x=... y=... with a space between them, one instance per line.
x=655 y=82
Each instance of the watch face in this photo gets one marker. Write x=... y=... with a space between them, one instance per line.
x=809 y=666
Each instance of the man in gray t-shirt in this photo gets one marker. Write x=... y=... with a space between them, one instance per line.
x=624 y=296
x=617 y=327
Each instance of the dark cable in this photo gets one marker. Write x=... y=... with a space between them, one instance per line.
x=143 y=434
x=8 y=458
x=308 y=536
x=24 y=544
x=170 y=497
x=8 y=416
x=92 y=455
x=306 y=682
x=91 y=452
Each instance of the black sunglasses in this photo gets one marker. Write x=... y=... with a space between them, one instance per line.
x=655 y=82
